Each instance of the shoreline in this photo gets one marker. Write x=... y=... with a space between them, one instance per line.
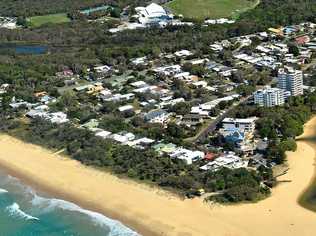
x=85 y=204
x=310 y=190
x=41 y=187
x=150 y=211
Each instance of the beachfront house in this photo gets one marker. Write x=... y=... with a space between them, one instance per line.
x=187 y=155
x=55 y=117
x=228 y=160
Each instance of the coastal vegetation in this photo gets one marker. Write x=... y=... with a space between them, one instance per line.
x=235 y=185
x=238 y=185
x=281 y=124
x=29 y=8
x=80 y=45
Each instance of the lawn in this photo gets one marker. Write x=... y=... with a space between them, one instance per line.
x=37 y=21
x=201 y=9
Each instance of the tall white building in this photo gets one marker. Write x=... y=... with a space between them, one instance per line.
x=269 y=97
x=291 y=80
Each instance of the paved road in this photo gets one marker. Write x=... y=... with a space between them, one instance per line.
x=204 y=134
x=212 y=126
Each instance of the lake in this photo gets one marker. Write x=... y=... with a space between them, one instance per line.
x=23 y=49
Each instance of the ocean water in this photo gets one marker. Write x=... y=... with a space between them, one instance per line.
x=24 y=212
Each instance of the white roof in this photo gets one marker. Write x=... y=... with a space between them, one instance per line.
x=105 y=92
x=198 y=61
x=138 y=84
x=58 y=117
x=125 y=108
x=103 y=68
x=187 y=155
x=155 y=10
x=183 y=74
x=182 y=53
x=103 y=134
x=146 y=140
x=120 y=138
x=229 y=160
x=233 y=120
x=141 y=141
x=152 y=10
x=200 y=83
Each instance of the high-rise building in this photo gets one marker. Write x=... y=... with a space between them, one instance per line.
x=269 y=97
x=291 y=80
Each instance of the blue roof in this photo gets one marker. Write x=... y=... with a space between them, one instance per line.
x=234 y=135
x=153 y=114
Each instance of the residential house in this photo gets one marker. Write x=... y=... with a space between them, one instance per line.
x=157 y=116
x=228 y=160
x=192 y=120
x=186 y=155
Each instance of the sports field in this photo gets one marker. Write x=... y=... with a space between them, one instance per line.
x=201 y=9
x=37 y=21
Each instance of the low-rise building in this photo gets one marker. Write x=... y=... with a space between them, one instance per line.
x=186 y=155
x=227 y=160
x=242 y=125
x=152 y=14
x=183 y=53
x=157 y=116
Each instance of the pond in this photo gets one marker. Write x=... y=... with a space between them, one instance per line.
x=23 y=49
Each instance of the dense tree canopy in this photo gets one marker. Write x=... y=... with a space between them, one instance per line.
x=42 y=7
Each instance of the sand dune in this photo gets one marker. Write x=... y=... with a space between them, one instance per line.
x=154 y=212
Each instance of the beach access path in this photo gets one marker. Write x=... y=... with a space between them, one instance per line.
x=151 y=211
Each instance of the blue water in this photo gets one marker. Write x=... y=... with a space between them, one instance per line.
x=30 y=49
x=24 y=212
x=24 y=49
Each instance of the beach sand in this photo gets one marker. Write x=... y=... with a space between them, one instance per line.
x=151 y=211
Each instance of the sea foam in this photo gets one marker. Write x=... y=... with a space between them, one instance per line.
x=116 y=227
x=14 y=210
x=3 y=190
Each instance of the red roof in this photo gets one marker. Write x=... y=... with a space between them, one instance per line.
x=302 y=39
x=210 y=156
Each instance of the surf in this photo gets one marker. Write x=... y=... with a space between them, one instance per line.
x=3 y=190
x=116 y=227
x=15 y=211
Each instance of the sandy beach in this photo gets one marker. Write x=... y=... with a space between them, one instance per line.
x=154 y=212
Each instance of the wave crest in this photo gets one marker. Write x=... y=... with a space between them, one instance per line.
x=116 y=227
x=3 y=190
x=14 y=210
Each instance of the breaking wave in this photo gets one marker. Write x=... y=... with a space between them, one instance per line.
x=3 y=190
x=45 y=204
x=14 y=210
x=116 y=227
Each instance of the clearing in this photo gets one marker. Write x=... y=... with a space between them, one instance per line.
x=201 y=9
x=37 y=21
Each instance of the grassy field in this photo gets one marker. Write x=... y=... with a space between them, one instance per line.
x=201 y=9
x=37 y=21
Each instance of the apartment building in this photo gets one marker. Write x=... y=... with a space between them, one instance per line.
x=269 y=97
x=291 y=81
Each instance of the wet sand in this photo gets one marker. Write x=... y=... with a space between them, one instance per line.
x=151 y=211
